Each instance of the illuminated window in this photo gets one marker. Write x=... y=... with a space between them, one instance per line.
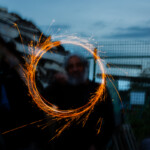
x=123 y=85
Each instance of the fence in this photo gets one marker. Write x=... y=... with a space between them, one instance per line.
x=129 y=64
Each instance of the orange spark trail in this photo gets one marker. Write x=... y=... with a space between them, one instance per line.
x=19 y=35
x=100 y=121
x=22 y=126
x=80 y=114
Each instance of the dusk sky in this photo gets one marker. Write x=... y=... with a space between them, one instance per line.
x=102 y=19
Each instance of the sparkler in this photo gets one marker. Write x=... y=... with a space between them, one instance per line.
x=80 y=114
x=77 y=115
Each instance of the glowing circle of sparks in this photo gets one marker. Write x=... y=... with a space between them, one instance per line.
x=50 y=109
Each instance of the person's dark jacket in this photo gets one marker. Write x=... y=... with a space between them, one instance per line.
x=77 y=137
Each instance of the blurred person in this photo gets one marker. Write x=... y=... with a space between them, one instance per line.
x=73 y=90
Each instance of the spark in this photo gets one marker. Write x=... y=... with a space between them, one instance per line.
x=117 y=93
x=99 y=123
x=80 y=114
x=77 y=115
x=16 y=26
x=25 y=125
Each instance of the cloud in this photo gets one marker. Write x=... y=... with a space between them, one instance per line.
x=130 y=32
x=99 y=24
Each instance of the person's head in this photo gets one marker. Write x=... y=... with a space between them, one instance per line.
x=76 y=67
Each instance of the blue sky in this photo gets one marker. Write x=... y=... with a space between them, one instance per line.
x=102 y=19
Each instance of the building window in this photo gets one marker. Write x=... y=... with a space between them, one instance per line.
x=137 y=98
x=123 y=85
